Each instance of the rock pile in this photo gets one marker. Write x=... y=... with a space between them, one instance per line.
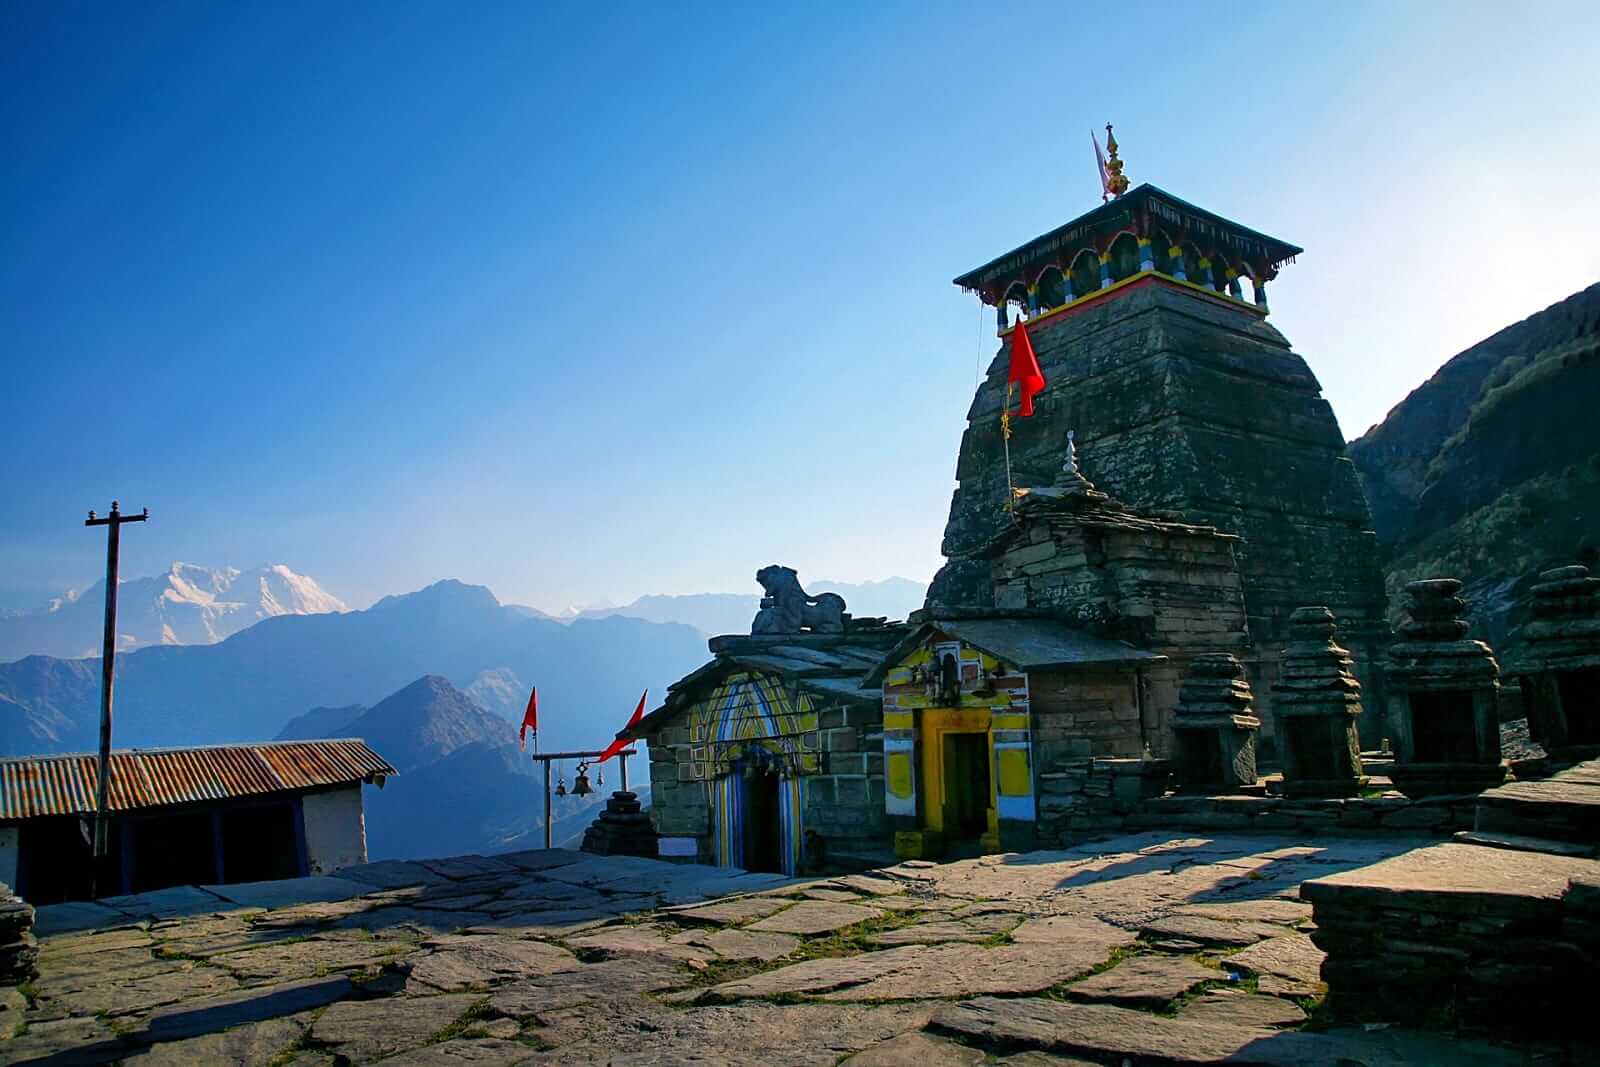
x=1318 y=703
x=19 y=952
x=1444 y=695
x=1214 y=730
x=623 y=829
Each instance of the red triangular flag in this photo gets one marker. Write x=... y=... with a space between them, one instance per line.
x=1024 y=368
x=619 y=744
x=530 y=721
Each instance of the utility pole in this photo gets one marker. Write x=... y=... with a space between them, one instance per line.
x=108 y=662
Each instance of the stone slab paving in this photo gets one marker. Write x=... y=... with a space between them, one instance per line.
x=812 y=917
x=559 y=957
x=1144 y=982
x=288 y=891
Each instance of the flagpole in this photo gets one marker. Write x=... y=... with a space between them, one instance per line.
x=1005 y=434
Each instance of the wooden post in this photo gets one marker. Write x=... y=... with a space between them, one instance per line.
x=108 y=659
x=623 y=756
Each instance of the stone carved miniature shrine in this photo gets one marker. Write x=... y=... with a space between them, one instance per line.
x=1444 y=697
x=1214 y=732
x=1560 y=665
x=1319 y=703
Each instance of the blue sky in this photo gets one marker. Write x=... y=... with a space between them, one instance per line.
x=582 y=305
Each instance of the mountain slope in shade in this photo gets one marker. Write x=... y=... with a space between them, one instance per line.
x=188 y=605
x=322 y=723
x=425 y=722
x=463 y=787
x=1490 y=470
x=732 y=613
x=249 y=686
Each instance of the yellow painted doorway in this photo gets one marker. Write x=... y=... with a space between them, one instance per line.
x=958 y=768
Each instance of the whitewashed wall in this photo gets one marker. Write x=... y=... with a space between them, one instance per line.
x=336 y=829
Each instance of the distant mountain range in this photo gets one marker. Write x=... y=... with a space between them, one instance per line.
x=249 y=686
x=1490 y=470
x=731 y=613
x=188 y=605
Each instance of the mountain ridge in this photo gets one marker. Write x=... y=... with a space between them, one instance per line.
x=187 y=605
x=1490 y=470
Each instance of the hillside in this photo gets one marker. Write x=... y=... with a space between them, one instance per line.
x=463 y=785
x=249 y=686
x=188 y=605
x=1490 y=470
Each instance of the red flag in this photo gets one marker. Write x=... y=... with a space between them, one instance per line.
x=1024 y=371
x=530 y=721
x=619 y=744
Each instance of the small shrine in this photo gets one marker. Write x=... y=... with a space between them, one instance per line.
x=1444 y=698
x=763 y=757
x=1319 y=702
x=1213 y=730
x=621 y=829
x=1560 y=664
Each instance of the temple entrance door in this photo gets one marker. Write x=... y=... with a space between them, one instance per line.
x=966 y=785
x=762 y=834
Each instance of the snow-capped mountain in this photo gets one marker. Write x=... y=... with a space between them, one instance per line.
x=189 y=605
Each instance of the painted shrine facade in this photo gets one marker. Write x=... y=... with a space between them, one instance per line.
x=769 y=757
x=974 y=708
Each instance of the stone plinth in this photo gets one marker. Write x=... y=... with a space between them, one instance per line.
x=1318 y=704
x=623 y=829
x=1444 y=695
x=1455 y=934
x=1560 y=664
x=1214 y=732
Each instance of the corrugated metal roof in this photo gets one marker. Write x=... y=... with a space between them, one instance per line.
x=31 y=786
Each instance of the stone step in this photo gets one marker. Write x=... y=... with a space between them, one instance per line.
x=1524 y=843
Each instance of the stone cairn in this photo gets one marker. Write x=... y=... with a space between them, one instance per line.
x=1214 y=730
x=1318 y=703
x=622 y=829
x=1560 y=664
x=1444 y=697
x=19 y=952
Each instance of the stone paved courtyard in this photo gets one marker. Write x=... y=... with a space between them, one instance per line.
x=1136 y=950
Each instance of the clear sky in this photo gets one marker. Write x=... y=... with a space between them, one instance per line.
x=583 y=304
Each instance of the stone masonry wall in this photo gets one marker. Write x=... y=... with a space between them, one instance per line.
x=843 y=802
x=1181 y=404
x=1168 y=587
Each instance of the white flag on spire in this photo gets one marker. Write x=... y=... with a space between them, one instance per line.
x=1100 y=162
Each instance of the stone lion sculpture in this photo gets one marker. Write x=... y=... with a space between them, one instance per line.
x=787 y=609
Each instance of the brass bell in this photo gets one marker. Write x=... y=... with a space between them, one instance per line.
x=580 y=785
x=561 y=785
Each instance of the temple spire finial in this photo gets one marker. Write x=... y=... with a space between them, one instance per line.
x=1116 y=181
x=1071 y=479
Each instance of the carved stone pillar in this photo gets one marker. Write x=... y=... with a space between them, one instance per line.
x=1317 y=702
x=1444 y=698
x=1214 y=731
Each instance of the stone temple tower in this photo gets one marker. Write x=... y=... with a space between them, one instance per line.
x=1149 y=319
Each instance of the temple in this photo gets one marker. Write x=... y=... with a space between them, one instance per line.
x=1117 y=599
x=1148 y=317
